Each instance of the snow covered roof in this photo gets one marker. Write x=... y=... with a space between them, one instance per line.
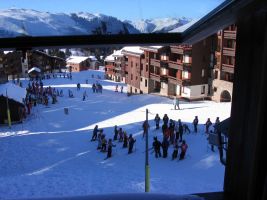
x=109 y=58
x=151 y=48
x=13 y=91
x=118 y=53
x=77 y=59
x=93 y=58
x=135 y=50
x=34 y=69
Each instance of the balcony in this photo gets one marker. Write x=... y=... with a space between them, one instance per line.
x=164 y=78
x=229 y=34
x=228 y=68
x=175 y=65
x=172 y=80
x=228 y=51
x=164 y=64
x=155 y=77
x=155 y=62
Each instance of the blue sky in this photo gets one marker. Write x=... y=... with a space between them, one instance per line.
x=122 y=9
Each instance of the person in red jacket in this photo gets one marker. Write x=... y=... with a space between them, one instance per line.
x=184 y=147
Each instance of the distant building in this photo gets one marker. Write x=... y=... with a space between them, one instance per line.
x=94 y=63
x=3 y=76
x=225 y=65
x=110 y=67
x=78 y=63
x=133 y=58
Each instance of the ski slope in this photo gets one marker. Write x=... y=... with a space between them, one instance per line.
x=51 y=155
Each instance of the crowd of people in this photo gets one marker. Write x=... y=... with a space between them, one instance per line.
x=105 y=145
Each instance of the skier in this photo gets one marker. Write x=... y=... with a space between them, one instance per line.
x=208 y=124
x=171 y=131
x=157 y=120
x=145 y=127
x=115 y=133
x=121 y=88
x=120 y=135
x=175 y=151
x=165 y=119
x=195 y=123
x=116 y=88
x=165 y=146
x=93 y=87
x=78 y=86
x=104 y=144
x=186 y=128
x=176 y=103
x=217 y=121
x=181 y=130
x=184 y=147
x=95 y=133
x=131 y=143
x=110 y=145
x=156 y=146
x=125 y=140
x=84 y=95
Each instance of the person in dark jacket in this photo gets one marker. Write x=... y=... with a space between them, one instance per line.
x=157 y=120
x=116 y=132
x=125 y=140
x=165 y=119
x=195 y=123
x=183 y=147
x=95 y=131
x=156 y=146
x=131 y=143
x=110 y=145
x=181 y=130
x=175 y=151
x=208 y=124
x=145 y=127
x=165 y=146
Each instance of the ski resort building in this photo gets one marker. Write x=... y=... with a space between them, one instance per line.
x=225 y=64
x=78 y=63
x=110 y=67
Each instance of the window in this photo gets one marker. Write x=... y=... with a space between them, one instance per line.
x=202 y=72
x=215 y=89
x=136 y=77
x=202 y=89
x=131 y=76
x=186 y=59
x=145 y=83
x=141 y=79
x=185 y=75
x=131 y=63
x=146 y=68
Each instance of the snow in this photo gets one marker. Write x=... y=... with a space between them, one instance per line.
x=109 y=58
x=34 y=69
x=50 y=154
x=13 y=92
x=76 y=59
x=132 y=49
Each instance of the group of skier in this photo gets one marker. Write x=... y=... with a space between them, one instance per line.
x=119 y=135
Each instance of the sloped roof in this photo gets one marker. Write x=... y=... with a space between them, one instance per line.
x=109 y=58
x=132 y=50
x=34 y=69
x=13 y=92
x=77 y=59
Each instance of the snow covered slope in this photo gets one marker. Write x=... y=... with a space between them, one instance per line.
x=51 y=155
x=27 y=22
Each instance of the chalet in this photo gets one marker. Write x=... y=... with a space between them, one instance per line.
x=78 y=63
x=15 y=95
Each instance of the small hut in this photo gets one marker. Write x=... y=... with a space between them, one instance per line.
x=15 y=95
x=34 y=72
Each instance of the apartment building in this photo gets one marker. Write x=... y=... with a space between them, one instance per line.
x=133 y=57
x=222 y=83
x=109 y=62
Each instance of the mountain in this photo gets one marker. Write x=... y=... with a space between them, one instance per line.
x=158 y=25
x=26 y=22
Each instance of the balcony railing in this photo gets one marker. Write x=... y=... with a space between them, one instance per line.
x=172 y=80
x=228 y=51
x=164 y=64
x=228 y=68
x=230 y=34
x=155 y=77
x=177 y=50
x=155 y=62
x=175 y=65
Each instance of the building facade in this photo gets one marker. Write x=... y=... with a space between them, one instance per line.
x=223 y=73
x=109 y=62
x=78 y=63
x=133 y=57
